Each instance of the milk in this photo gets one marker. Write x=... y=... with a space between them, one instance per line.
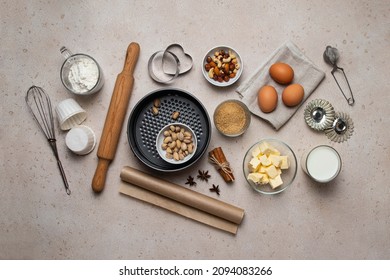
x=322 y=164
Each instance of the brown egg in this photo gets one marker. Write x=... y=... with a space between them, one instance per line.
x=281 y=73
x=292 y=95
x=267 y=99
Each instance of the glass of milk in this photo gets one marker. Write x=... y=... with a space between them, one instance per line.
x=80 y=73
x=322 y=163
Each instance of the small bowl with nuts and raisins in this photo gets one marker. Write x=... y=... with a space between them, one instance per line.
x=176 y=143
x=222 y=66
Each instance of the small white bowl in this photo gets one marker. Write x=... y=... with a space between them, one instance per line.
x=81 y=140
x=70 y=114
x=160 y=140
x=211 y=53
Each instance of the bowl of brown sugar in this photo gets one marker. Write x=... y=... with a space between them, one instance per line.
x=232 y=118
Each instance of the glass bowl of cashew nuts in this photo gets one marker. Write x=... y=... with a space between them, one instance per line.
x=222 y=66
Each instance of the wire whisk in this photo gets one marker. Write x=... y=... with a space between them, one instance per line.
x=40 y=107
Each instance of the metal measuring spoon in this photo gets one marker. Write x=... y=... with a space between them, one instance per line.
x=331 y=56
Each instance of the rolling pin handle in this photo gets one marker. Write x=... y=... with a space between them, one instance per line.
x=131 y=57
x=99 y=178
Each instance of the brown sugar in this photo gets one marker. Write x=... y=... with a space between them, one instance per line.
x=230 y=118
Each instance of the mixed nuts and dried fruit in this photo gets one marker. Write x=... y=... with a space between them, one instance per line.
x=222 y=66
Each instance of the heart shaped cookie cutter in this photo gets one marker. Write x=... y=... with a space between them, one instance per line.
x=184 y=58
x=165 y=65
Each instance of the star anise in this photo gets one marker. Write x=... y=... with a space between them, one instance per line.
x=215 y=189
x=190 y=181
x=203 y=175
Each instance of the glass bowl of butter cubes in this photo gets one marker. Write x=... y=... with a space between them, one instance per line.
x=270 y=166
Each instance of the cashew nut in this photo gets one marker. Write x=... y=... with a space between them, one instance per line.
x=211 y=73
x=218 y=62
x=225 y=60
x=231 y=54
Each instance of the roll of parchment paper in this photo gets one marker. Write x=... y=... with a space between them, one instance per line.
x=188 y=198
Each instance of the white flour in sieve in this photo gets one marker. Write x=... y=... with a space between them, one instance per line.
x=83 y=75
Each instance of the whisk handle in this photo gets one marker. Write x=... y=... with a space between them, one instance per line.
x=99 y=178
x=63 y=177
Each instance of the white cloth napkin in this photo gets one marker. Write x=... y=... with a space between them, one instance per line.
x=305 y=73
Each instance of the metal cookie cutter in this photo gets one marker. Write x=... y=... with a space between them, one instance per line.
x=184 y=58
x=165 y=65
x=159 y=57
x=331 y=55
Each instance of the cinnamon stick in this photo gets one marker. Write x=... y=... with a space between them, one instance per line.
x=218 y=158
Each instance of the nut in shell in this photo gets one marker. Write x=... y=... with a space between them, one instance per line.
x=155 y=111
x=157 y=103
x=169 y=155
x=175 y=115
x=171 y=148
x=167 y=140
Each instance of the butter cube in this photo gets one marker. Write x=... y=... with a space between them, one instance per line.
x=271 y=171
x=275 y=159
x=284 y=164
x=256 y=152
x=254 y=164
x=264 y=180
x=265 y=148
x=262 y=169
x=275 y=182
x=255 y=177
x=265 y=161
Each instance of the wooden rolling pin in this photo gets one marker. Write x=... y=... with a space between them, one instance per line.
x=115 y=117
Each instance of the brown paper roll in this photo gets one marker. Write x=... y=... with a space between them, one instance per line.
x=177 y=207
x=183 y=195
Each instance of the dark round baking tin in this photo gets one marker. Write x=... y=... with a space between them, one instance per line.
x=143 y=126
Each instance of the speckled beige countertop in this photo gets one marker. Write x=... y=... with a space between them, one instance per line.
x=347 y=219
